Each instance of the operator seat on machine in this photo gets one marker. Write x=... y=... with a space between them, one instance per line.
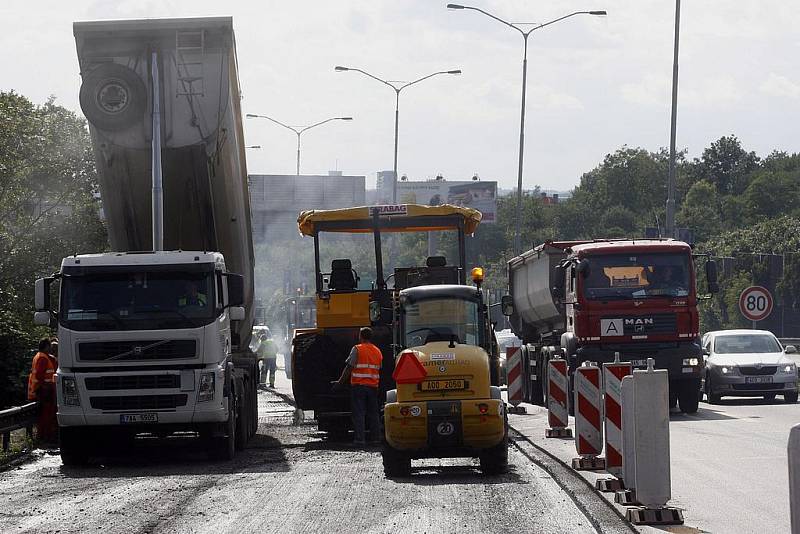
x=436 y=261
x=342 y=277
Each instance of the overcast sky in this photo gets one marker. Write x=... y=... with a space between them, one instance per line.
x=595 y=83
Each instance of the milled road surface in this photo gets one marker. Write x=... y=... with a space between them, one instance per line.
x=729 y=465
x=289 y=479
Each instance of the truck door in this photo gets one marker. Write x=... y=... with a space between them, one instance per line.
x=569 y=297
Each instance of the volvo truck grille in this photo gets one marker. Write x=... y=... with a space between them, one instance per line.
x=152 y=349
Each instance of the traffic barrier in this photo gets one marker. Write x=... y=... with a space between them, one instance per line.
x=794 y=477
x=588 y=419
x=613 y=373
x=15 y=418
x=650 y=454
x=627 y=496
x=557 y=399
x=514 y=378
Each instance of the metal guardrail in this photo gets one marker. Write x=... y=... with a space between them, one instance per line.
x=15 y=418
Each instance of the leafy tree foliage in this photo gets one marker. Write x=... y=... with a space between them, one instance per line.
x=47 y=210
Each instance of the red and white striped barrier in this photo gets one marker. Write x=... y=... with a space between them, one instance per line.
x=613 y=373
x=588 y=418
x=557 y=399
x=514 y=378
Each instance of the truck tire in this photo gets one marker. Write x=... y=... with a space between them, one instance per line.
x=395 y=463
x=223 y=448
x=688 y=395
x=790 y=398
x=113 y=97
x=242 y=423
x=74 y=446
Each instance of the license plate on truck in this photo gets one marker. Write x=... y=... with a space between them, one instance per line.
x=440 y=385
x=134 y=418
x=758 y=380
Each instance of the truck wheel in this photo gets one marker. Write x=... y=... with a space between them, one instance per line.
x=74 y=446
x=113 y=97
x=242 y=422
x=673 y=395
x=790 y=398
x=688 y=396
x=571 y=396
x=224 y=447
x=711 y=397
x=395 y=463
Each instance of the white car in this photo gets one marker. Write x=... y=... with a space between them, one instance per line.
x=748 y=363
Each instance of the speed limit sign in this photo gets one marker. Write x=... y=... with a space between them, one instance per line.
x=755 y=303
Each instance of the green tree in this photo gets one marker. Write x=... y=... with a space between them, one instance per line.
x=48 y=210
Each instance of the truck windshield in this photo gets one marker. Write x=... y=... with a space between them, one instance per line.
x=432 y=320
x=137 y=301
x=626 y=276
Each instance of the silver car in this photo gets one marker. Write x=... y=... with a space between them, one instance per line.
x=748 y=363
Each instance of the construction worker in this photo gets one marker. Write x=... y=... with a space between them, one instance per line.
x=268 y=354
x=42 y=388
x=192 y=296
x=363 y=369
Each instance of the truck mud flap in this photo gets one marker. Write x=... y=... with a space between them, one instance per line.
x=444 y=424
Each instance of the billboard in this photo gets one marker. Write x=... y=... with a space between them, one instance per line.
x=474 y=194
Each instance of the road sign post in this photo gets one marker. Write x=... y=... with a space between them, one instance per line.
x=755 y=304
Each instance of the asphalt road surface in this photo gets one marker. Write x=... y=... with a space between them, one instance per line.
x=289 y=479
x=729 y=465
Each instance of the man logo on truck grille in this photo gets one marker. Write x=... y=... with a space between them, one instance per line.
x=445 y=428
x=137 y=350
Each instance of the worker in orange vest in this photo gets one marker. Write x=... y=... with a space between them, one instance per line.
x=364 y=371
x=42 y=388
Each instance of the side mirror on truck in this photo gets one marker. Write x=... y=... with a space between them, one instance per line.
x=507 y=305
x=559 y=283
x=42 y=294
x=711 y=276
x=235 y=289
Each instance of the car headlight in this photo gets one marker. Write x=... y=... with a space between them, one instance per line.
x=729 y=370
x=791 y=368
x=69 y=389
x=691 y=361
x=206 y=391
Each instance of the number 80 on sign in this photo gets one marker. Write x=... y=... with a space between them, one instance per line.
x=755 y=303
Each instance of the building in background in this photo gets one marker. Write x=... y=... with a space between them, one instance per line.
x=476 y=194
x=384 y=182
x=276 y=200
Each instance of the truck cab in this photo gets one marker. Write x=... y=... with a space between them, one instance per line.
x=450 y=408
x=146 y=347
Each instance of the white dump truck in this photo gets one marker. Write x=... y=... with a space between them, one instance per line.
x=154 y=337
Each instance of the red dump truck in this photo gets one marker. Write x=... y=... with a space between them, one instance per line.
x=587 y=300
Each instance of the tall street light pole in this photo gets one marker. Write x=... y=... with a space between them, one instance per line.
x=670 y=227
x=397 y=89
x=525 y=34
x=298 y=130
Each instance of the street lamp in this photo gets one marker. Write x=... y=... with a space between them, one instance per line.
x=397 y=89
x=297 y=129
x=525 y=34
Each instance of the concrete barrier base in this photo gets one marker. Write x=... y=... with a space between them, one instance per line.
x=564 y=433
x=589 y=463
x=609 y=485
x=626 y=497
x=655 y=516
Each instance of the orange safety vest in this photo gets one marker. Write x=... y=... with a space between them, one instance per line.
x=367 y=371
x=37 y=378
